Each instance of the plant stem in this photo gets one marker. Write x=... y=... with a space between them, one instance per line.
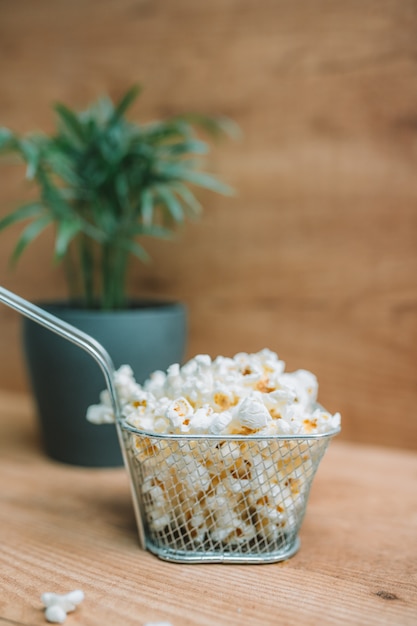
x=114 y=270
x=71 y=276
x=87 y=270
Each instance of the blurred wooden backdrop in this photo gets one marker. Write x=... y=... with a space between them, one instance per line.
x=316 y=256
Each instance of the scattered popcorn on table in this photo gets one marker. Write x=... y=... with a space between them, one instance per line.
x=58 y=605
x=232 y=491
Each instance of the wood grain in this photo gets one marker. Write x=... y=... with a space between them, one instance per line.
x=63 y=527
x=316 y=255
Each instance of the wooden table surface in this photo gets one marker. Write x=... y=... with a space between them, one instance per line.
x=63 y=528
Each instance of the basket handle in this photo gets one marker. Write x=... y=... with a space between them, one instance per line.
x=94 y=349
x=69 y=332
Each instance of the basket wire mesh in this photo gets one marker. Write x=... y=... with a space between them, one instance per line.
x=206 y=498
x=222 y=499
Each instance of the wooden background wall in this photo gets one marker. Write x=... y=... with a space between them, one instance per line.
x=316 y=256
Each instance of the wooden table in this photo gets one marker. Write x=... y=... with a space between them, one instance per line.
x=63 y=528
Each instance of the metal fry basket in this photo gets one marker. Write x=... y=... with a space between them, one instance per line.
x=221 y=499
x=206 y=498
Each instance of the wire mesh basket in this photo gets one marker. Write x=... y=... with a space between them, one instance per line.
x=221 y=499
x=206 y=498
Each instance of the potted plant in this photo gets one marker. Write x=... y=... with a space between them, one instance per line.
x=103 y=183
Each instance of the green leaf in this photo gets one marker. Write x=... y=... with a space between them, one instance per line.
x=29 y=234
x=122 y=188
x=147 y=207
x=66 y=231
x=53 y=198
x=134 y=248
x=213 y=125
x=185 y=147
x=188 y=198
x=93 y=232
x=175 y=170
x=23 y=212
x=30 y=149
x=157 y=231
x=169 y=200
x=71 y=122
x=204 y=180
x=62 y=165
x=100 y=223
x=150 y=231
x=158 y=132
x=125 y=103
x=99 y=115
x=8 y=140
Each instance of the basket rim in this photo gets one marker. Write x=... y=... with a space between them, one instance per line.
x=209 y=437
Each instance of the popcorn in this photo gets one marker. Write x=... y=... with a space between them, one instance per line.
x=100 y=414
x=127 y=390
x=178 y=413
x=55 y=614
x=58 y=605
x=202 y=420
x=246 y=394
x=220 y=422
x=304 y=386
x=236 y=491
x=253 y=413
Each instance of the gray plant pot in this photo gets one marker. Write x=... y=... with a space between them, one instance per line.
x=65 y=380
